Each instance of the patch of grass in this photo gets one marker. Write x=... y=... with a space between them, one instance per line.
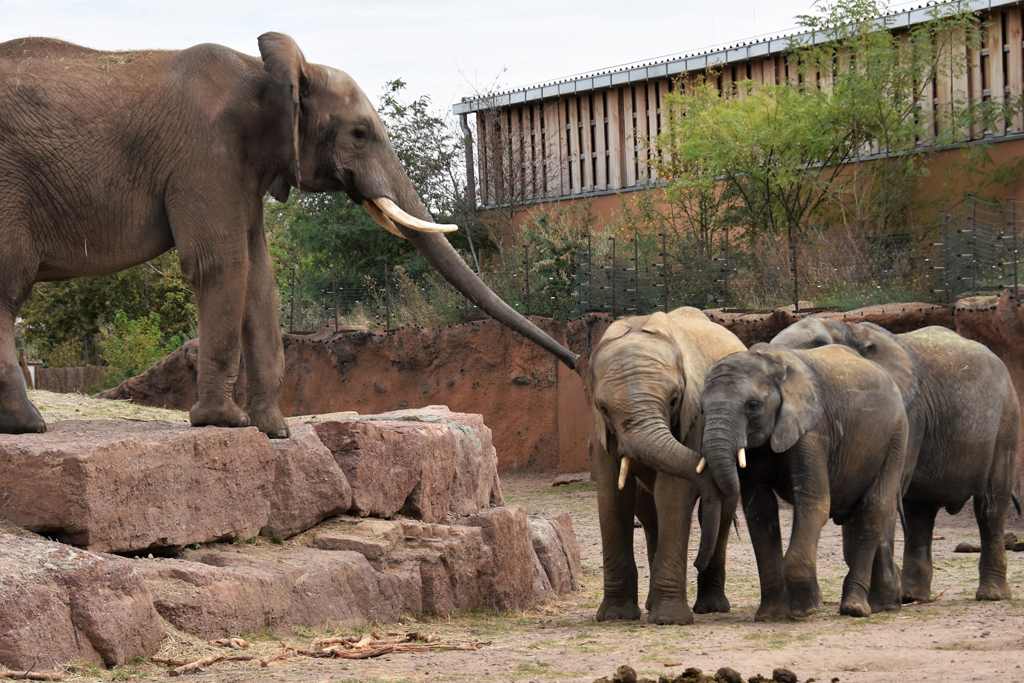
x=259 y=635
x=127 y=674
x=276 y=539
x=85 y=669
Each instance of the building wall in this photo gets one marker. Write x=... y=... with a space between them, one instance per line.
x=601 y=141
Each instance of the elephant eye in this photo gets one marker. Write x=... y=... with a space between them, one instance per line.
x=753 y=405
x=360 y=135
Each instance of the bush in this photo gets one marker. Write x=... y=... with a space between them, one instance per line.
x=132 y=346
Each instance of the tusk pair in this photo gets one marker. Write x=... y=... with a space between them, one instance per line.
x=623 y=471
x=741 y=456
x=387 y=213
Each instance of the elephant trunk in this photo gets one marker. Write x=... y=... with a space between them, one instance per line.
x=655 y=446
x=721 y=449
x=407 y=216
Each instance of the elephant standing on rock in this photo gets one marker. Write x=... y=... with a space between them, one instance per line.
x=646 y=375
x=109 y=159
x=837 y=433
x=964 y=418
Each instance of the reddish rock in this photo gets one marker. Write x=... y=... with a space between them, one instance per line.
x=542 y=589
x=394 y=466
x=475 y=484
x=58 y=603
x=547 y=544
x=506 y=532
x=124 y=486
x=213 y=593
x=562 y=524
x=308 y=487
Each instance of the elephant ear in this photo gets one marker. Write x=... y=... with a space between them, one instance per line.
x=617 y=329
x=692 y=366
x=600 y=429
x=283 y=60
x=801 y=406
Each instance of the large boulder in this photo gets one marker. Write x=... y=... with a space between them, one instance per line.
x=213 y=593
x=309 y=486
x=58 y=603
x=125 y=486
x=551 y=554
x=506 y=532
x=394 y=466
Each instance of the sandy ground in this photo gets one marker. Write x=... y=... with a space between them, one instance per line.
x=952 y=638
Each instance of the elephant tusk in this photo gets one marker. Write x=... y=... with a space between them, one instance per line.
x=701 y=464
x=742 y=456
x=623 y=471
x=384 y=222
x=392 y=211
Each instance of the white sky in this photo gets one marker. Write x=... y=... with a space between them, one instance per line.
x=447 y=50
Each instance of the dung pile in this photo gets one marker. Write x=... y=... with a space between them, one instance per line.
x=626 y=674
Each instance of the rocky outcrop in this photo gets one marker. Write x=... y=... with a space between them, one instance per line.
x=124 y=486
x=59 y=604
x=308 y=486
x=506 y=532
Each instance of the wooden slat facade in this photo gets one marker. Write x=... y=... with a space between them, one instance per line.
x=602 y=139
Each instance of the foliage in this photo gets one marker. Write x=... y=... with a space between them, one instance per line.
x=77 y=309
x=130 y=346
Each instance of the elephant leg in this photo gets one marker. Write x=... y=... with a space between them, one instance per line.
x=801 y=561
x=647 y=514
x=216 y=262
x=761 y=510
x=884 y=594
x=17 y=414
x=916 y=576
x=261 y=339
x=675 y=499
x=615 y=513
x=711 y=582
x=990 y=511
x=867 y=532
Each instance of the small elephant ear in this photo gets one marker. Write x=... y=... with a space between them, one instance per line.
x=600 y=429
x=617 y=329
x=283 y=60
x=801 y=406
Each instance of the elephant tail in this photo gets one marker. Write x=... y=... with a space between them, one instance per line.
x=1016 y=502
x=903 y=517
x=736 y=524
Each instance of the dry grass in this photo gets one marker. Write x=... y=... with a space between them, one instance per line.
x=56 y=407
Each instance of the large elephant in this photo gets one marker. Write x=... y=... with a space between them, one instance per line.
x=646 y=374
x=110 y=159
x=826 y=431
x=963 y=414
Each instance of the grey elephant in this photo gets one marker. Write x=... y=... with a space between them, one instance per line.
x=964 y=419
x=646 y=374
x=110 y=159
x=825 y=430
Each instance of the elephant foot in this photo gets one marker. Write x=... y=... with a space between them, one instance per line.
x=880 y=604
x=913 y=590
x=618 y=610
x=670 y=611
x=223 y=415
x=714 y=602
x=804 y=601
x=772 y=611
x=994 y=590
x=910 y=596
x=854 y=606
x=19 y=416
x=269 y=421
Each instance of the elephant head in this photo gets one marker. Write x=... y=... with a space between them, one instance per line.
x=753 y=398
x=867 y=339
x=334 y=141
x=646 y=377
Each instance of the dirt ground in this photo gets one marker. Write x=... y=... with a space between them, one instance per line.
x=952 y=638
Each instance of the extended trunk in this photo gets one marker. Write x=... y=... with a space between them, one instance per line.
x=440 y=254
x=720 y=448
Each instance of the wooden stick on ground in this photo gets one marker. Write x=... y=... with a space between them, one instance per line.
x=273 y=658
x=31 y=676
x=167 y=661
x=192 y=666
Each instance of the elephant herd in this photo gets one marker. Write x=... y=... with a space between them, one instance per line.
x=841 y=420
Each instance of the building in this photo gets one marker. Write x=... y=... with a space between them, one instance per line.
x=589 y=136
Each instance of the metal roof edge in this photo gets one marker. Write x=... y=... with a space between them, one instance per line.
x=691 y=61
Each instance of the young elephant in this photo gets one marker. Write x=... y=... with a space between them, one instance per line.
x=963 y=416
x=837 y=431
x=647 y=373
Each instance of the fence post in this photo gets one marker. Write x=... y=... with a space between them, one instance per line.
x=725 y=277
x=796 y=282
x=947 y=261
x=974 y=242
x=1013 y=227
x=664 y=275
x=590 y=276
x=387 y=300
x=334 y=294
x=613 y=277
x=636 y=275
x=526 y=274
x=291 y=314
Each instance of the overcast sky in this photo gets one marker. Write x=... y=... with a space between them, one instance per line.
x=447 y=50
